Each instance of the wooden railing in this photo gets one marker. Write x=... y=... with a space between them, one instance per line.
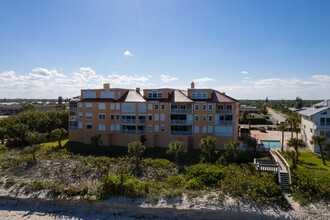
x=285 y=164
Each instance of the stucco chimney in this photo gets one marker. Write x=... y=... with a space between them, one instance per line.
x=192 y=85
x=106 y=86
x=137 y=89
x=224 y=93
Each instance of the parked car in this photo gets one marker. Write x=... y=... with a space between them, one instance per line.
x=262 y=129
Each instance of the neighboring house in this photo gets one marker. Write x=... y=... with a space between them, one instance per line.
x=250 y=109
x=316 y=121
x=155 y=117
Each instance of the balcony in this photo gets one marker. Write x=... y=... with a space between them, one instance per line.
x=128 y=121
x=73 y=109
x=181 y=111
x=73 y=118
x=181 y=122
x=128 y=131
x=181 y=133
x=142 y=121
x=224 y=111
x=73 y=128
x=142 y=132
x=223 y=122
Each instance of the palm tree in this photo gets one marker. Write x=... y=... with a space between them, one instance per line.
x=251 y=143
x=289 y=121
x=327 y=148
x=177 y=148
x=296 y=121
x=59 y=134
x=296 y=144
x=282 y=127
x=207 y=146
x=136 y=149
x=232 y=150
x=320 y=141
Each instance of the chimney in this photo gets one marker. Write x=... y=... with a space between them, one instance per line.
x=192 y=85
x=224 y=93
x=106 y=86
x=138 y=90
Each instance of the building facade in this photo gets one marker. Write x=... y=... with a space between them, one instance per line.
x=155 y=117
x=315 y=121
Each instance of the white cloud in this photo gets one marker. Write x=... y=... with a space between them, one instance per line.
x=322 y=78
x=45 y=73
x=166 y=78
x=127 y=53
x=245 y=72
x=87 y=71
x=125 y=80
x=202 y=81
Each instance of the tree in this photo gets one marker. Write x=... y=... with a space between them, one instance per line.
x=60 y=100
x=59 y=134
x=177 y=148
x=267 y=100
x=327 y=148
x=282 y=127
x=232 y=150
x=289 y=121
x=296 y=144
x=299 y=102
x=96 y=141
x=33 y=150
x=207 y=146
x=296 y=121
x=320 y=141
x=136 y=149
x=251 y=143
x=34 y=138
x=3 y=132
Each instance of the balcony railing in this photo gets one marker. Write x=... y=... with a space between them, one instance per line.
x=181 y=111
x=128 y=131
x=182 y=122
x=128 y=121
x=142 y=132
x=223 y=122
x=181 y=133
x=224 y=111
x=73 y=118
x=73 y=109
x=73 y=128
x=142 y=121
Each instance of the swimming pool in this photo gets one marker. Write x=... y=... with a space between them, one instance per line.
x=271 y=144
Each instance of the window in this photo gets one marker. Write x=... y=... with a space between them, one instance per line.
x=322 y=133
x=89 y=126
x=229 y=107
x=112 y=106
x=149 y=128
x=150 y=117
x=149 y=106
x=209 y=129
x=80 y=105
x=160 y=95
x=196 y=129
x=119 y=95
x=101 y=116
x=156 y=128
x=204 y=106
x=210 y=117
x=101 y=127
x=162 y=128
x=117 y=117
x=102 y=106
x=156 y=106
x=204 y=118
x=324 y=113
x=162 y=117
x=112 y=127
x=80 y=114
x=162 y=106
x=117 y=127
x=155 y=95
x=118 y=106
x=89 y=115
x=197 y=118
x=156 y=117
x=199 y=95
x=210 y=106
x=322 y=121
x=80 y=124
x=204 y=129
x=112 y=117
x=196 y=107
x=89 y=105
x=328 y=121
x=220 y=107
x=311 y=130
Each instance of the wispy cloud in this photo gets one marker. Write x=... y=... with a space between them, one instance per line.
x=245 y=72
x=127 y=53
x=166 y=78
x=202 y=81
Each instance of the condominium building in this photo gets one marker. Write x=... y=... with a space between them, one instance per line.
x=315 y=121
x=155 y=116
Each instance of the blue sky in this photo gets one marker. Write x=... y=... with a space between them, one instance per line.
x=248 y=49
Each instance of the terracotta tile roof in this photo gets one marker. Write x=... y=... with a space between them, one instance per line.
x=179 y=96
x=132 y=96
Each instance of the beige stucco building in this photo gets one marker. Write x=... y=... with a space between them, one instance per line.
x=155 y=116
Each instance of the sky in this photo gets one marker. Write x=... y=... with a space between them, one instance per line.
x=250 y=49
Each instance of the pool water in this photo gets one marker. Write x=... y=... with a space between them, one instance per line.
x=271 y=144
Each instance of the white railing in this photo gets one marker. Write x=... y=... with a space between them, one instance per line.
x=182 y=122
x=224 y=111
x=181 y=133
x=181 y=111
x=223 y=122
x=285 y=164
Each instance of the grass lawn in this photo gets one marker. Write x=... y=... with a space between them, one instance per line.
x=310 y=160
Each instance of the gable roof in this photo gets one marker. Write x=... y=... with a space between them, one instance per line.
x=318 y=107
x=220 y=97
x=179 y=96
x=132 y=96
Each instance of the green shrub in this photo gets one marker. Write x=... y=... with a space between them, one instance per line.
x=3 y=149
x=10 y=182
x=55 y=190
x=37 y=186
x=121 y=185
x=194 y=183
x=207 y=174
x=310 y=185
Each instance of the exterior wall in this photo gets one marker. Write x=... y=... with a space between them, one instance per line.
x=151 y=138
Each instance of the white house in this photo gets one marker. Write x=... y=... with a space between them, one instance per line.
x=316 y=121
